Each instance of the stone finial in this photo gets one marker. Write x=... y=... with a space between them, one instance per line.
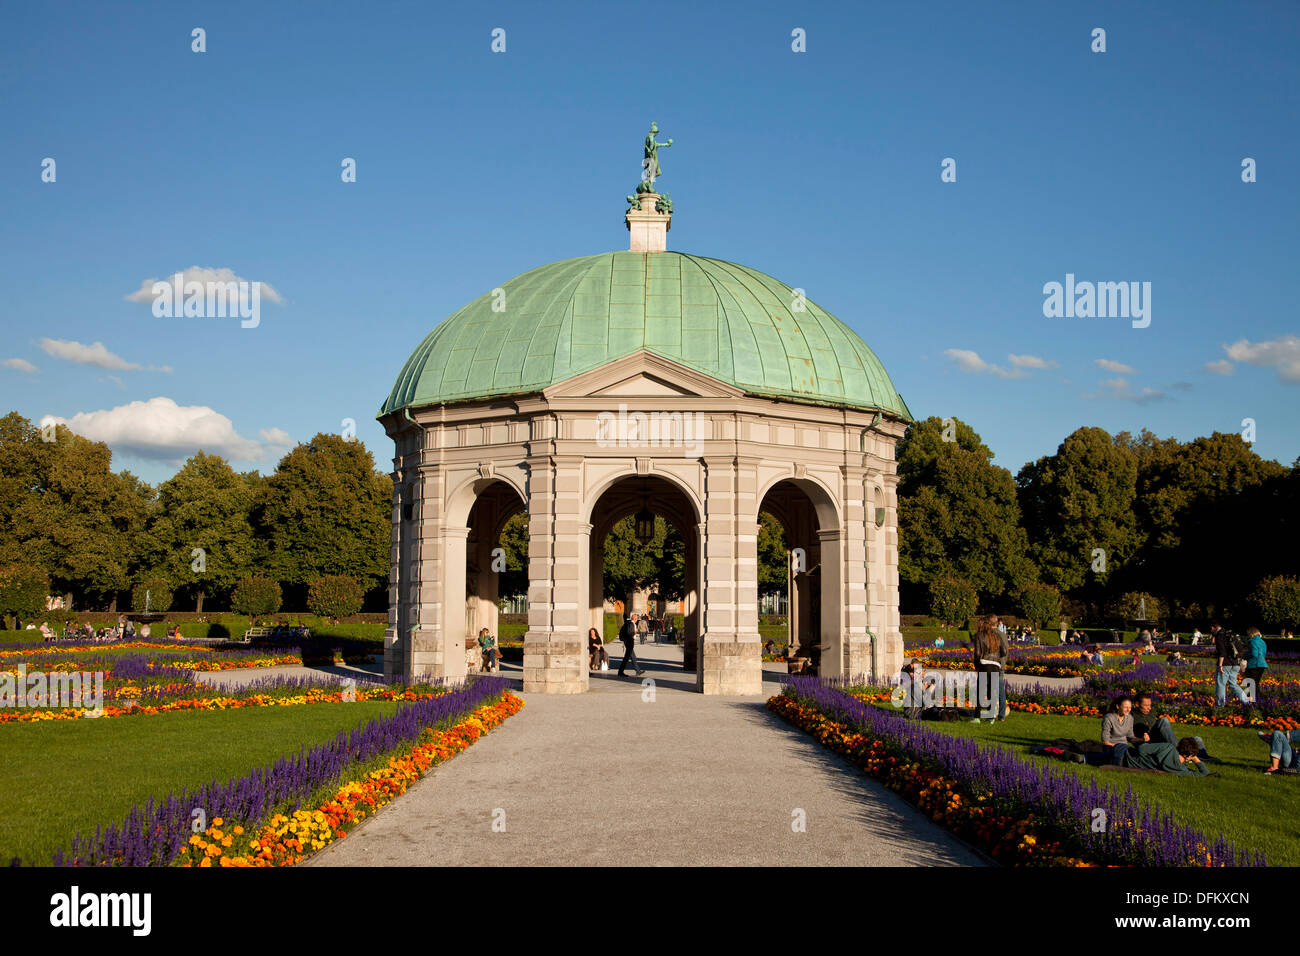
x=648 y=220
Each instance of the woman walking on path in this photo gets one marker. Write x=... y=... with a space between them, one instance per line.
x=989 y=647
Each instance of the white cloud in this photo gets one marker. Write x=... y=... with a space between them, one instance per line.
x=96 y=354
x=1110 y=365
x=276 y=441
x=161 y=430
x=1221 y=367
x=22 y=365
x=1121 y=390
x=1282 y=353
x=201 y=274
x=969 y=361
x=1030 y=361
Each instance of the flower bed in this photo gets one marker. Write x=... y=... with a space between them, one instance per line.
x=159 y=832
x=1185 y=696
x=287 y=838
x=177 y=654
x=136 y=684
x=1021 y=812
x=133 y=708
x=1030 y=661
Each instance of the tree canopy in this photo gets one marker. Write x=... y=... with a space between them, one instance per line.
x=958 y=512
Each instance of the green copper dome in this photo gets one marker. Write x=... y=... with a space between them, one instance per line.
x=716 y=317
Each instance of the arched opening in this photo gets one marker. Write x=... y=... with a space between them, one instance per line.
x=658 y=572
x=491 y=566
x=811 y=531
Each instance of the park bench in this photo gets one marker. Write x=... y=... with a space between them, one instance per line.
x=256 y=632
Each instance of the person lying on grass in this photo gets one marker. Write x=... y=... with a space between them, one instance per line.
x=1284 y=749
x=1169 y=758
x=1153 y=728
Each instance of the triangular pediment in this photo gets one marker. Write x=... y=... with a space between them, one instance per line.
x=643 y=375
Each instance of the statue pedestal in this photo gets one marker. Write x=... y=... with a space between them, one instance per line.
x=648 y=228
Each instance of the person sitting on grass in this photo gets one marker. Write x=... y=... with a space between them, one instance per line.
x=1153 y=728
x=1284 y=749
x=1168 y=758
x=1117 y=734
x=913 y=683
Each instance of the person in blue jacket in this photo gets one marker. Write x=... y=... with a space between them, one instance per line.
x=1256 y=658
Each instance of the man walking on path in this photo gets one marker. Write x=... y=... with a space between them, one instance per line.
x=627 y=634
x=1229 y=657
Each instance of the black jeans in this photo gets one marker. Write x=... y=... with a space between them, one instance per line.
x=629 y=654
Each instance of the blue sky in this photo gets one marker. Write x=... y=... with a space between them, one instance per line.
x=821 y=168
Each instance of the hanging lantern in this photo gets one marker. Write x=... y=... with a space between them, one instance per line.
x=645 y=526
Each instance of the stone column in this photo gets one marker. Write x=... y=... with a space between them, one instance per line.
x=854 y=564
x=428 y=653
x=455 y=607
x=554 y=646
x=890 y=659
x=731 y=658
x=395 y=647
x=834 y=637
x=595 y=582
x=691 y=603
x=882 y=544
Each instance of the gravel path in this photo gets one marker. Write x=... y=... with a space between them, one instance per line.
x=612 y=778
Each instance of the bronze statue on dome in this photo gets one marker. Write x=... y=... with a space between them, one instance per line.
x=650 y=171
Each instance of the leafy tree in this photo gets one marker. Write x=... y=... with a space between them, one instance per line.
x=958 y=512
x=514 y=543
x=327 y=511
x=773 y=556
x=1277 y=601
x=952 y=600
x=1041 y=603
x=153 y=590
x=1077 y=506
x=630 y=566
x=69 y=512
x=1138 y=605
x=1198 y=502
x=201 y=536
x=23 y=592
x=254 y=595
x=334 y=596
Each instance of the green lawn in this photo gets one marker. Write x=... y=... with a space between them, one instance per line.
x=1251 y=810
x=63 y=776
